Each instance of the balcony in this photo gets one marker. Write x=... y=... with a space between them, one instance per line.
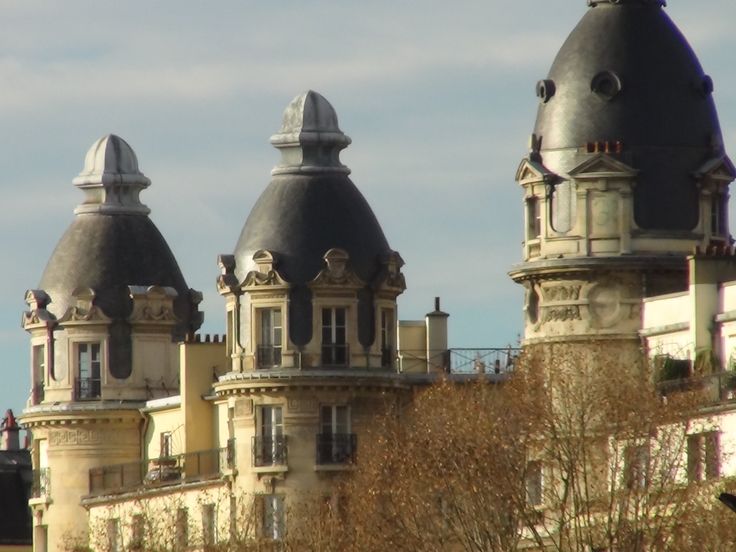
x=160 y=472
x=269 y=451
x=336 y=448
x=87 y=389
x=41 y=485
x=335 y=354
x=268 y=356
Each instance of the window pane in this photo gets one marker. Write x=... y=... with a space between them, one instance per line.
x=340 y=317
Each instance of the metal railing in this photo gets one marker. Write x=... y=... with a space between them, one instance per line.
x=335 y=354
x=460 y=360
x=269 y=450
x=336 y=448
x=156 y=472
x=717 y=387
x=86 y=389
x=41 y=485
x=268 y=356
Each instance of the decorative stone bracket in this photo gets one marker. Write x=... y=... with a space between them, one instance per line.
x=38 y=316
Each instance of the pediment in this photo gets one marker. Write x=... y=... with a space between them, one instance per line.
x=717 y=168
x=255 y=279
x=337 y=271
x=85 y=309
x=533 y=171
x=602 y=166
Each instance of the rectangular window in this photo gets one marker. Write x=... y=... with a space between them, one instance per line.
x=39 y=373
x=137 y=530
x=269 y=446
x=272 y=517
x=534 y=221
x=636 y=460
x=703 y=456
x=334 y=336
x=113 y=535
x=717 y=215
x=209 y=524
x=335 y=443
x=533 y=481
x=270 y=339
x=89 y=369
x=387 y=338
x=181 y=529
x=166 y=448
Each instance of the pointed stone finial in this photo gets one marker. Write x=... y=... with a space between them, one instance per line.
x=310 y=139
x=111 y=179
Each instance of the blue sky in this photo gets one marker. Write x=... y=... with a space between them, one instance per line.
x=437 y=96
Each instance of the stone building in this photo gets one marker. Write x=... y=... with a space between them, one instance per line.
x=137 y=420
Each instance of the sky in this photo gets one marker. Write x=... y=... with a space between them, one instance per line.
x=437 y=96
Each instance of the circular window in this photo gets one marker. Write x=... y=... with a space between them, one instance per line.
x=545 y=90
x=606 y=84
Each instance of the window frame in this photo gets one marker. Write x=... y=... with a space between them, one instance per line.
x=269 y=336
x=334 y=342
x=88 y=386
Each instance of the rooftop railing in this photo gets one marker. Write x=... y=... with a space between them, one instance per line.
x=158 y=472
x=460 y=360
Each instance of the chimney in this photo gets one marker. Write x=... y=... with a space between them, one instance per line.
x=10 y=432
x=436 y=324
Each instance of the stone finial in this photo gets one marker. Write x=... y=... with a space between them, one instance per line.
x=310 y=139
x=111 y=179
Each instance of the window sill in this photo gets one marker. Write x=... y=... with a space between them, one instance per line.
x=270 y=469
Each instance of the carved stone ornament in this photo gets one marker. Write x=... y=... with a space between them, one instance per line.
x=337 y=271
x=562 y=293
x=561 y=313
x=390 y=276
x=255 y=279
x=37 y=300
x=152 y=304
x=81 y=437
x=85 y=310
x=227 y=282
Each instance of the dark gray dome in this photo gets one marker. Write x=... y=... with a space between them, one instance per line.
x=311 y=205
x=111 y=243
x=626 y=74
x=301 y=217
x=107 y=253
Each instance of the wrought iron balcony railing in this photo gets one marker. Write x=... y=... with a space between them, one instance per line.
x=335 y=354
x=269 y=450
x=86 y=389
x=157 y=472
x=268 y=356
x=336 y=448
x=41 y=485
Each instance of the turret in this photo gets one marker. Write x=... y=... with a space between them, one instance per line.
x=626 y=174
x=104 y=325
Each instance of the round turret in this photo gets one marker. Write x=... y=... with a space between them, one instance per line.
x=626 y=81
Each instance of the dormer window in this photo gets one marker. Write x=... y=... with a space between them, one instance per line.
x=89 y=369
x=270 y=339
x=334 y=336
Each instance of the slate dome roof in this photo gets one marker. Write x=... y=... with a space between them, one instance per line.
x=111 y=243
x=626 y=74
x=311 y=205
